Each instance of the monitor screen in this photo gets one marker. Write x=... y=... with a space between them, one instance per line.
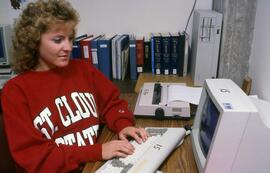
x=5 y=44
x=209 y=119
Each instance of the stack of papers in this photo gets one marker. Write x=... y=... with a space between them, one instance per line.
x=184 y=93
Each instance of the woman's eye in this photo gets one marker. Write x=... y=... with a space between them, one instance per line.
x=57 y=40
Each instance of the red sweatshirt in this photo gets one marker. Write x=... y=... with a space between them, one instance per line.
x=51 y=118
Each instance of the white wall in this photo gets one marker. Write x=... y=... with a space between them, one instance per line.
x=4 y=11
x=260 y=57
x=126 y=16
x=135 y=16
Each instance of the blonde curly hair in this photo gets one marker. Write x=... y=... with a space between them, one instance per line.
x=33 y=22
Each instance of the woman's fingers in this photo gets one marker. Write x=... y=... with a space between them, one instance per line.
x=116 y=148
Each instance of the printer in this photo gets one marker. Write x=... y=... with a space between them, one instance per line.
x=156 y=100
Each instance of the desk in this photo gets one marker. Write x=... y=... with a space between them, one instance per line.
x=180 y=160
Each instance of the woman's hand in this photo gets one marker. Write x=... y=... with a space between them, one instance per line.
x=139 y=134
x=122 y=147
x=116 y=148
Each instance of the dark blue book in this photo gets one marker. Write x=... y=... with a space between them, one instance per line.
x=152 y=54
x=105 y=55
x=156 y=53
x=181 y=62
x=175 y=52
x=147 y=66
x=76 y=49
x=133 y=59
x=166 y=53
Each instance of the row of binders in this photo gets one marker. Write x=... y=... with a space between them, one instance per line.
x=121 y=56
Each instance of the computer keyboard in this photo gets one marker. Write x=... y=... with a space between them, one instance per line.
x=149 y=155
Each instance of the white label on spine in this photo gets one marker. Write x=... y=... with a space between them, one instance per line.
x=85 y=52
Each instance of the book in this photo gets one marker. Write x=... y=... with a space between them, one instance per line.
x=133 y=58
x=104 y=55
x=156 y=53
x=186 y=55
x=166 y=53
x=114 y=55
x=122 y=44
x=147 y=54
x=183 y=54
x=76 y=49
x=94 y=50
x=85 y=45
x=175 y=54
x=140 y=53
x=125 y=61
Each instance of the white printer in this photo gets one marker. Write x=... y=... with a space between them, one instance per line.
x=156 y=100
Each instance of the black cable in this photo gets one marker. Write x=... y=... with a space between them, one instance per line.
x=190 y=14
x=188 y=129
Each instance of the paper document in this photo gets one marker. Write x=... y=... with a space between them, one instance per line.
x=184 y=93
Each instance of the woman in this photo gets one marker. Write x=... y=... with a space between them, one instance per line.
x=54 y=107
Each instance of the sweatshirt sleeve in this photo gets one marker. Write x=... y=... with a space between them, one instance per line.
x=114 y=111
x=29 y=149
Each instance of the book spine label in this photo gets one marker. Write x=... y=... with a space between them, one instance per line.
x=85 y=51
x=94 y=56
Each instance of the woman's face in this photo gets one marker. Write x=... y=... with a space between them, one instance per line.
x=55 y=46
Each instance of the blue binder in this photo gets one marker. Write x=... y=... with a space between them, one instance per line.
x=105 y=56
x=133 y=59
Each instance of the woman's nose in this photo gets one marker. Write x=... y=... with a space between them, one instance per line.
x=68 y=45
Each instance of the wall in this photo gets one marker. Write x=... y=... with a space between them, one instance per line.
x=260 y=58
x=139 y=17
x=4 y=11
x=237 y=36
x=127 y=16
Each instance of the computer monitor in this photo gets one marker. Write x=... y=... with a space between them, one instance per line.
x=230 y=134
x=5 y=44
